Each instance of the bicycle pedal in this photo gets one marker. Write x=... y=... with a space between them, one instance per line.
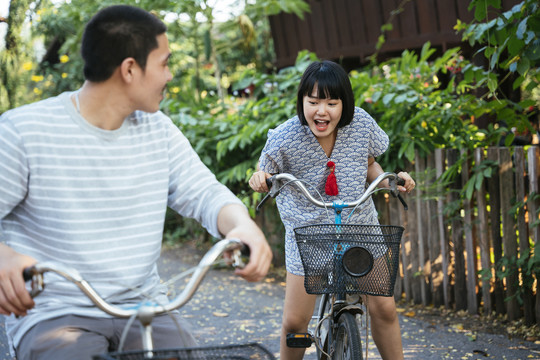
x=299 y=340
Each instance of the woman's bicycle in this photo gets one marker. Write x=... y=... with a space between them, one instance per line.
x=341 y=260
x=147 y=309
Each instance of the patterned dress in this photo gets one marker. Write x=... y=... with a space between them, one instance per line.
x=292 y=148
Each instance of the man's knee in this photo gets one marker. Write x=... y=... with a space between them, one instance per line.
x=61 y=338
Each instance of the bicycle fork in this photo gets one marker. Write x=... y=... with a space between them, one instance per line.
x=325 y=341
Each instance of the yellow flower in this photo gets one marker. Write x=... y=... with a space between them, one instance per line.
x=64 y=59
x=37 y=78
x=27 y=66
x=64 y=75
x=424 y=124
x=175 y=89
x=37 y=91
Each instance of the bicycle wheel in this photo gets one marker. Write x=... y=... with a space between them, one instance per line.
x=348 y=341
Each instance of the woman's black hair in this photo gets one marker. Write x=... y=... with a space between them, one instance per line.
x=332 y=83
x=116 y=33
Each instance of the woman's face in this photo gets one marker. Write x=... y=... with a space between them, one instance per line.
x=322 y=115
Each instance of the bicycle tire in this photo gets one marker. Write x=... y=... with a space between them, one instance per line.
x=348 y=341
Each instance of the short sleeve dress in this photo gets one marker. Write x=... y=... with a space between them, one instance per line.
x=292 y=148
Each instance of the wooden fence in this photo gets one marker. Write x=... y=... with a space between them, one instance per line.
x=452 y=246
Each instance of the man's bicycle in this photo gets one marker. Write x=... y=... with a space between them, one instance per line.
x=341 y=260
x=147 y=309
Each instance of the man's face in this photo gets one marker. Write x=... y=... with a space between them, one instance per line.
x=153 y=81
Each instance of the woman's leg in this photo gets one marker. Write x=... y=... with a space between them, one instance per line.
x=297 y=312
x=385 y=327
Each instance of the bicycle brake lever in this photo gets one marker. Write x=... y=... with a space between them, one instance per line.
x=405 y=206
x=395 y=192
x=273 y=192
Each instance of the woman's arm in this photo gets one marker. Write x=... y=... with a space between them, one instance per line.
x=374 y=170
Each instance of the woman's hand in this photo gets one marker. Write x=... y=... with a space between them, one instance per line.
x=258 y=181
x=409 y=182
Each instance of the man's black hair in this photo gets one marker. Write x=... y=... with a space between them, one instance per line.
x=116 y=33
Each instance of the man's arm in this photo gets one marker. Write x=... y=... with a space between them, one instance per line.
x=14 y=298
x=234 y=222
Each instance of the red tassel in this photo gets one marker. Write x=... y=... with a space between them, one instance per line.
x=331 y=182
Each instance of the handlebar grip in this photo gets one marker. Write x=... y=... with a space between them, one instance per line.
x=245 y=250
x=400 y=181
x=28 y=274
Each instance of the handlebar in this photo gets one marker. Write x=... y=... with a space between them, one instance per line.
x=35 y=273
x=275 y=186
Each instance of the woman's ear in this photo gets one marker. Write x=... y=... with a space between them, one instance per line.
x=128 y=69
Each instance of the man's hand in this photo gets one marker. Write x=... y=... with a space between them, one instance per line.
x=235 y=223
x=14 y=298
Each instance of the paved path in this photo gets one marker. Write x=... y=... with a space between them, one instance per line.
x=226 y=310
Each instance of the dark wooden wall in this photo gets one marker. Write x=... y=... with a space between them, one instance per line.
x=347 y=30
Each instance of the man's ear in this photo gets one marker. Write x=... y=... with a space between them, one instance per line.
x=128 y=69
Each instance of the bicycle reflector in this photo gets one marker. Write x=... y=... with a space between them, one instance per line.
x=357 y=261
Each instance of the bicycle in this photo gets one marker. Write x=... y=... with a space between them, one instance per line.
x=146 y=310
x=340 y=260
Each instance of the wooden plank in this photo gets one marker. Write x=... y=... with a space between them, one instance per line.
x=463 y=12
x=533 y=166
x=460 y=281
x=414 y=258
x=278 y=34
x=318 y=29
x=424 y=266
x=406 y=253
x=470 y=248
x=358 y=25
x=523 y=233
x=427 y=17
x=446 y=15
x=407 y=22
x=388 y=6
x=374 y=21
x=483 y=239
x=435 y=258
x=440 y=159
x=495 y=227
x=332 y=46
x=506 y=172
x=343 y=26
x=395 y=219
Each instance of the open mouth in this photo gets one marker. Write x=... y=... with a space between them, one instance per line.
x=321 y=125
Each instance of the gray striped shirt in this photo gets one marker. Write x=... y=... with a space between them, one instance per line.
x=95 y=200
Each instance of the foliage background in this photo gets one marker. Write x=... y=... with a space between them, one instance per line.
x=226 y=93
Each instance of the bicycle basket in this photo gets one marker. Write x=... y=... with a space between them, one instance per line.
x=349 y=259
x=251 y=351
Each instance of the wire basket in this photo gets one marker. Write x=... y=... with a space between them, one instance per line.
x=349 y=259
x=252 y=351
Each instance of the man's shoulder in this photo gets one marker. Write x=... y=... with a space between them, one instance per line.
x=36 y=109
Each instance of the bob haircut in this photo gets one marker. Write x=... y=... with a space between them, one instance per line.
x=116 y=33
x=332 y=82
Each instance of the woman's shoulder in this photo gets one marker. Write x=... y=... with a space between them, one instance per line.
x=291 y=126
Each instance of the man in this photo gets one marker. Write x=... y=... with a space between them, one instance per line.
x=85 y=180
